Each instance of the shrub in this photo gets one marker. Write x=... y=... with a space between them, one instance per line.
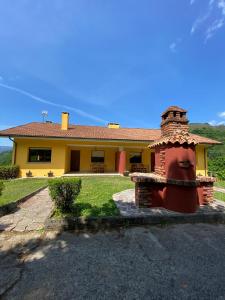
x=221 y=175
x=64 y=191
x=1 y=187
x=9 y=172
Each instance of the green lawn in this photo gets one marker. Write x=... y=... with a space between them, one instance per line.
x=219 y=196
x=95 y=198
x=16 y=189
x=220 y=184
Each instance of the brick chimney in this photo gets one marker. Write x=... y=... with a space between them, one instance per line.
x=172 y=119
x=65 y=121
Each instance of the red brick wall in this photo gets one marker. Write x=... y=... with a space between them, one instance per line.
x=205 y=193
x=171 y=126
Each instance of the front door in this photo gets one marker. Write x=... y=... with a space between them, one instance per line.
x=75 y=161
x=152 y=161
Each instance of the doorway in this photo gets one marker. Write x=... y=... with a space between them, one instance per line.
x=75 y=161
x=152 y=161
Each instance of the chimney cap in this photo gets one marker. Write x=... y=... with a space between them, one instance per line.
x=65 y=112
x=113 y=125
x=173 y=108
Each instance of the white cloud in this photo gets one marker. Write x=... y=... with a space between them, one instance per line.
x=222 y=114
x=216 y=24
x=216 y=123
x=221 y=5
x=199 y=21
x=173 y=47
x=41 y=100
x=213 y=123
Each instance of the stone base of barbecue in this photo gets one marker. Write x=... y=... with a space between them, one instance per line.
x=183 y=196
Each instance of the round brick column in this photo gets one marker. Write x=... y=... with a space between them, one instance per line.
x=121 y=161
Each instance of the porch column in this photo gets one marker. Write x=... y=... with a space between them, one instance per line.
x=121 y=161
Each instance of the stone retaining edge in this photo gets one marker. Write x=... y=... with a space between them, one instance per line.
x=95 y=223
x=11 y=207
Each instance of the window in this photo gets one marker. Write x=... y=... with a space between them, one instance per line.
x=97 y=156
x=39 y=155
x=135 y=158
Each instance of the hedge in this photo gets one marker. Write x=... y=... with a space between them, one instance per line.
x=1 y=187
x=9 y=172
x=64 y=191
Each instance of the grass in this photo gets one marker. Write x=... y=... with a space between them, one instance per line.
x=95 y=198
x=219 y=196
x=16 y=189
x=220 y=184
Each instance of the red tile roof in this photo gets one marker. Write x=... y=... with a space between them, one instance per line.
x=178 y=136
x=52 y=130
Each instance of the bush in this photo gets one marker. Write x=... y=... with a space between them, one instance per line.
x=64 y=191
x=9 y=172
x=1 y=187
x=221 y=175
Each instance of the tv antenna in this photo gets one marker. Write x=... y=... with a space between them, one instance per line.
x=44 y=115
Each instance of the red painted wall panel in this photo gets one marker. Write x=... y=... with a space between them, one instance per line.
x=175 y=160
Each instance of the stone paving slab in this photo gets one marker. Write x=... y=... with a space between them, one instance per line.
x=30 y=215
x=125 y=201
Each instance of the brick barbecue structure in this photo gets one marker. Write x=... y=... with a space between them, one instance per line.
x=174 y=184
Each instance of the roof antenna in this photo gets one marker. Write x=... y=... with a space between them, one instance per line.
x=44 y=115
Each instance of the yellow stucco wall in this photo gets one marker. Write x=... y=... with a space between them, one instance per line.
x=201 y=160
x=57 y=165
x=61 y=151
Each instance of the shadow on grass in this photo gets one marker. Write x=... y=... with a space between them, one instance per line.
x=87 y=209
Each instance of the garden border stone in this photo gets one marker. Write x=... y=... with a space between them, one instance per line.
x=98 y=223
x=11 y=207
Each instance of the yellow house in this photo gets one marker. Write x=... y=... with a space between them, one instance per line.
x=44 y=148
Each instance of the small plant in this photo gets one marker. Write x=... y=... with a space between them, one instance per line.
x=29 y=174
x=9 y=172
x=50 y=174
x=64 y=191
x=1 y=187
x=126 y=173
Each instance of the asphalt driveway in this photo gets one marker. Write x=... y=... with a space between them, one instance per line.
x=174 y=262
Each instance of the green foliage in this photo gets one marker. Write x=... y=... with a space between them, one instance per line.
x=9 y=172
x=219 y=196
x=217 y=167
x=5 y=158
x=216 y=153
x=1 y=187
x=220 y=184
x=64 y=191
x=212 y=132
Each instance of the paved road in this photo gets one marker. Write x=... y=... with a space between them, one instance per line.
x=174 y=262
x=31 y=215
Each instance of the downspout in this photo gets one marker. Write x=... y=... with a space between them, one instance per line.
x=14 y=150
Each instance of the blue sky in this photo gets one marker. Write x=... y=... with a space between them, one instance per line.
x=109 y=60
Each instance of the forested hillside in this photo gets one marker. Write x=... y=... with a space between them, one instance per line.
x=216 y=153
x=213 y=132
x=5 y=158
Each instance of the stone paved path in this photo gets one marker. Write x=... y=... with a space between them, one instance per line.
x=218 y=189
x=125 y=201
x=30 y=215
